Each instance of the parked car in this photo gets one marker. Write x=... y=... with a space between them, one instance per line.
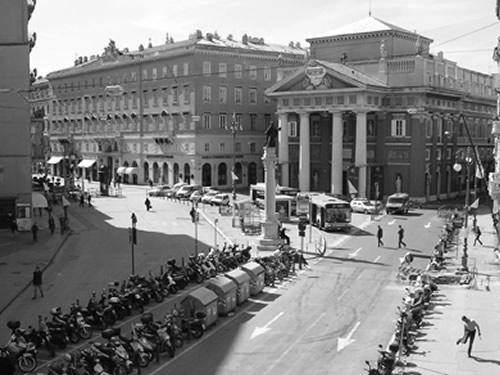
x=196 y=196
x=208 y=196
x=365 y=206
x=221 y=199
x=171 y=193
x=159 y=191
x=185 y=191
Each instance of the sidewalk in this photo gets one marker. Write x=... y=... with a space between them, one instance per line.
x=437 y=352
x=19 y=255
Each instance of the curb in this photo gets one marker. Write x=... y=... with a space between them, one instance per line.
x=51 y=259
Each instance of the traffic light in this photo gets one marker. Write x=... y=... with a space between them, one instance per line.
x=302 y=229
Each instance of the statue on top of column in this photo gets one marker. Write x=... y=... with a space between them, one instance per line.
x=496 y=53
x=383 y=49
x=271 y=135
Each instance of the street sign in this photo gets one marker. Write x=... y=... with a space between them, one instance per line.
x=196 y=118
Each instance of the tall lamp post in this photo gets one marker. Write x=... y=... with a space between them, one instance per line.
x=234 y=127
x=468 y=160
x=133 y=239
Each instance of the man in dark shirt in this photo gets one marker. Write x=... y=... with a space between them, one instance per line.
x=37 y=282
x=401 y=234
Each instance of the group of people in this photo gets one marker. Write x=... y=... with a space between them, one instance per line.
x=401 y=234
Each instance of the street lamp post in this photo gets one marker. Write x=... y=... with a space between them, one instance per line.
x=467 y=159
x=195 y=218
x=216 y=221
x=133 y=239
x=235 y=126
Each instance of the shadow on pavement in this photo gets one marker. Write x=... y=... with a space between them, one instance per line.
x=484 y=360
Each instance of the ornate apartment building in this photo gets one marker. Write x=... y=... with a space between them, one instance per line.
x=176 y=112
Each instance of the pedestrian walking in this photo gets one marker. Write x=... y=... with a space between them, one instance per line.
x=34 y=231
x=284 y=236
x=380 y=235
x=37 y=282
x=401 y=235
x=478 y=236
x=470 y=327
x=147 y=203
x=89 y=199
x=52 y=224
x=82 y=200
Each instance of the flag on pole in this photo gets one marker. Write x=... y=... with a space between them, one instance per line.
x=475 y=205
x=234 y=176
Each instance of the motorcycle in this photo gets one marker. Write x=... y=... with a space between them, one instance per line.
x=20 y=352
x=40 y=337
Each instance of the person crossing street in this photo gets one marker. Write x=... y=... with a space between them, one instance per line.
x=380 y=235
x=401 y=235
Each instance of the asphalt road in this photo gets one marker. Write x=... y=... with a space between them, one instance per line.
x=350 y=294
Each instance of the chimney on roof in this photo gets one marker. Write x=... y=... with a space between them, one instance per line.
x=230 y=37
x=244 y=39
x=85 y=59
x=150 y=45
x=297 y=45
x=210 y=37
x=291 y=44
x=141 y=48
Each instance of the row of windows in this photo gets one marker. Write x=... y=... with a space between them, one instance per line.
x=153 y=98
x=237 y=147
x=150 y=74
x=237 y=121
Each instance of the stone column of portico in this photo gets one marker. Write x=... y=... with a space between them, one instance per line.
x=283 y=148
x=337 y=153
x=304 y=153
x=360 y=156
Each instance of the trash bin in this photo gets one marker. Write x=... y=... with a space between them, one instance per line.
x=225 y=289
x=256 y=273
x=242 y=281
x=204 y=300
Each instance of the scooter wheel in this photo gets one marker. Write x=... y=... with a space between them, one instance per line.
x=173 y=289
x=119 y=370
x=74 y=337
x=179 y=342
x=85 y=333
x=196 y=332
x=199 y=278
x=27 y=363
x=159 y=297
x=144 y=359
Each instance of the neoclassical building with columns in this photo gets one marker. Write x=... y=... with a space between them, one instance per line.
x=373 y=112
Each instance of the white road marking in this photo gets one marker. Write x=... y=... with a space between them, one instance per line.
x=428 y=225
x=355 y=254
x=261 y=330
x=342 y=295
x=343 y=342
x=391 y=222
x=299 y=339
x=376 y=259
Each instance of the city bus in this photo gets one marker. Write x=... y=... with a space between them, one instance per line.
x=329 y=213
x=257 y=194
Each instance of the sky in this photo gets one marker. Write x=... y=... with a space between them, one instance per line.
x=465 y=31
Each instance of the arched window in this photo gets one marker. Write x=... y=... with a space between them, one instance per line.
x=222 y=174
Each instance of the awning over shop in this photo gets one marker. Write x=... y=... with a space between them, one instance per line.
x=132 y=170
x=121 y=170
x=38 y=200
x=54 y=160
x=86 y=163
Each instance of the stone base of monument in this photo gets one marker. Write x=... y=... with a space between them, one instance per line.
x=270 y=239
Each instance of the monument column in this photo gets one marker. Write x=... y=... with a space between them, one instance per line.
x=304 y=153
x=360 y=156
x=283 y=148
x=337 y=153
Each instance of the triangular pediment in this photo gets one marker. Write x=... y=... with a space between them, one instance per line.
x=323 y=75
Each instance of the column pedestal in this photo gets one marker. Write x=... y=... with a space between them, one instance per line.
x=269 y=239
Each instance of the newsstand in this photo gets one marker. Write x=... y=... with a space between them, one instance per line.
x=225 y=289
x=256 y=273
x=201 y=300
x=242 y=281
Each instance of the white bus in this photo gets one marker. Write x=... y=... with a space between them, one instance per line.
x=329 y=213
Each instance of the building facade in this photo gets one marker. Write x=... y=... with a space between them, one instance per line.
x=15 y=145
x=372 y=112
x=40 y=94
x=176 y=112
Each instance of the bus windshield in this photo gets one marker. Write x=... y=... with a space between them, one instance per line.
x=338 y=213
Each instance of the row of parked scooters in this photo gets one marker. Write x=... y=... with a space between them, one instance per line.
x=105 y=310
x=410 y=317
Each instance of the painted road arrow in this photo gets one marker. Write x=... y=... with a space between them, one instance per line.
x=261 y=330
x=344 y=342
x=391 y=222
x=428 y=225
x=352 y=255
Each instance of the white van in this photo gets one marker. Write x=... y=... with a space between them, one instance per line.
x=398 y=203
